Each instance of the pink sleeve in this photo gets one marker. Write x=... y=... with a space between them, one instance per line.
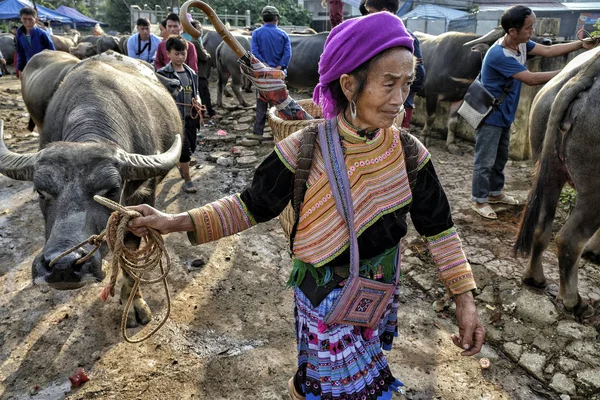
x=192 y=58
x=159 y=61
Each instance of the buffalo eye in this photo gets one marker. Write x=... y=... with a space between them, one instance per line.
x=43 y=195
x=112 y=193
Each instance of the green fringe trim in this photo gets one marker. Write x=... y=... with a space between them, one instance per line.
x=368 y=269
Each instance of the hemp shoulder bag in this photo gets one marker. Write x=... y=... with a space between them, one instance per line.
x=478 y=103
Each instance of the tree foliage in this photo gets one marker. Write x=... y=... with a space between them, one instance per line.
x=289 y=11
x=79 y=5
x=117 y=11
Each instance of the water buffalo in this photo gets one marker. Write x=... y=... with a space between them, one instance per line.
x=110 y=129
x=64 y=42
x=303 y=71
x=123 y=44
x=451 y=67
x=227 y=66
x=453 y=61
x=83 y=50
x=7 y=47
x=563 y=132
x=211 y=40
x=103 y=43
x=41 y=77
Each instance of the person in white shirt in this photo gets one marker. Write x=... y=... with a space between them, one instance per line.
x=143 y=45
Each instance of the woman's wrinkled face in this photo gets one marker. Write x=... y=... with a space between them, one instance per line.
x=387 y=86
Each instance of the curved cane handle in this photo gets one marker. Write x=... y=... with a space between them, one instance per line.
x=219 y=27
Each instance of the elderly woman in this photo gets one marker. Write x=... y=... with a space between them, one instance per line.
x=357 y=198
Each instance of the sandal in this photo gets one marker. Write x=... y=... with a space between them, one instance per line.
x=485 y=212
x=189 y=187
x=505 y=199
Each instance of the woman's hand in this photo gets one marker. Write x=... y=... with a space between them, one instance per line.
x=470 y=329
x=162 y=222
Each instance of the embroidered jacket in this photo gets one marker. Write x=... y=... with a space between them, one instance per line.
x=381 y=196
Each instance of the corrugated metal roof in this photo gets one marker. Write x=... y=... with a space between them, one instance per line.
x=434 y=12
x=583 y=6
x=538 y=5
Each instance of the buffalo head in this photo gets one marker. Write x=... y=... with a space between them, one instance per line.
x=83 y=50
x=66 y=176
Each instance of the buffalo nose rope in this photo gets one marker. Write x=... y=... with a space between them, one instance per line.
x=135 y=262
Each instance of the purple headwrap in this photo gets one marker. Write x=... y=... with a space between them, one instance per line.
x=352 y=43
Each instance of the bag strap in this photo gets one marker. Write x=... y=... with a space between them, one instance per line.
x=505 y=91
x=305 y=157
x=333 y=158
x=411 y=156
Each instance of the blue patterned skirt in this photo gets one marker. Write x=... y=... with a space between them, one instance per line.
x=344 y=362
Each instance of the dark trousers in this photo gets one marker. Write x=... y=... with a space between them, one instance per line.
x=336 y=12
x=261 y=116
x=205 y=95
x=188 y=146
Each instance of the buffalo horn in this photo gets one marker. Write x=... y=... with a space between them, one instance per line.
x=489 y=37
x=138 y=167
x=14 y=165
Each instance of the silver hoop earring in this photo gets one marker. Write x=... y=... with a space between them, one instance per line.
x=352 y=109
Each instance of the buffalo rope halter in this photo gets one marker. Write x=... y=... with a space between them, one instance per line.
x=134 y=262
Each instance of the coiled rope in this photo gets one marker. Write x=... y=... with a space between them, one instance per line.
x=135 y=262
x=589 y=39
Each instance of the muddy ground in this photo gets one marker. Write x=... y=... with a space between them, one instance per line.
x=230 y=334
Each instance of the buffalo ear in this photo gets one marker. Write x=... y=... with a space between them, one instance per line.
x=480 y=48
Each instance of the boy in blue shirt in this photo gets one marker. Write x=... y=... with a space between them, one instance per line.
x=504 y=69
x=177 y=69
x=30 y=39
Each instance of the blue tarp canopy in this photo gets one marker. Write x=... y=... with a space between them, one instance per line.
x=431 y=11
x=9 y=9
x=77 y=17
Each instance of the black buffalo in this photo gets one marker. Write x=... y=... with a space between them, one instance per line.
x=303 y=71
x=7 y=48
x=110 y=129
x=228 y=66
x=451 y=67
x=102 y=43
x=452 y=61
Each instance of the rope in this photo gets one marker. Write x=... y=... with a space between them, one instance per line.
x=135 y=262
x=198 y=107
x=589 y=38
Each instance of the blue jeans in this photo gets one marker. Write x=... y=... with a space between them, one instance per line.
x=491 y=154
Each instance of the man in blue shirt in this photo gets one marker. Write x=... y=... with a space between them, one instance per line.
x=143 y=45
x=272 y=46
x=30 y=39
x=504 y=70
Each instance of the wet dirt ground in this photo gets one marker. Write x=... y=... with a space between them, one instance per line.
x=230 y=334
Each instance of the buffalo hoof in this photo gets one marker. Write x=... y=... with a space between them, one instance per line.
x=535 y=284
x=139 y=314
x=454 y=149
x=591 y=256
x=582 y=310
